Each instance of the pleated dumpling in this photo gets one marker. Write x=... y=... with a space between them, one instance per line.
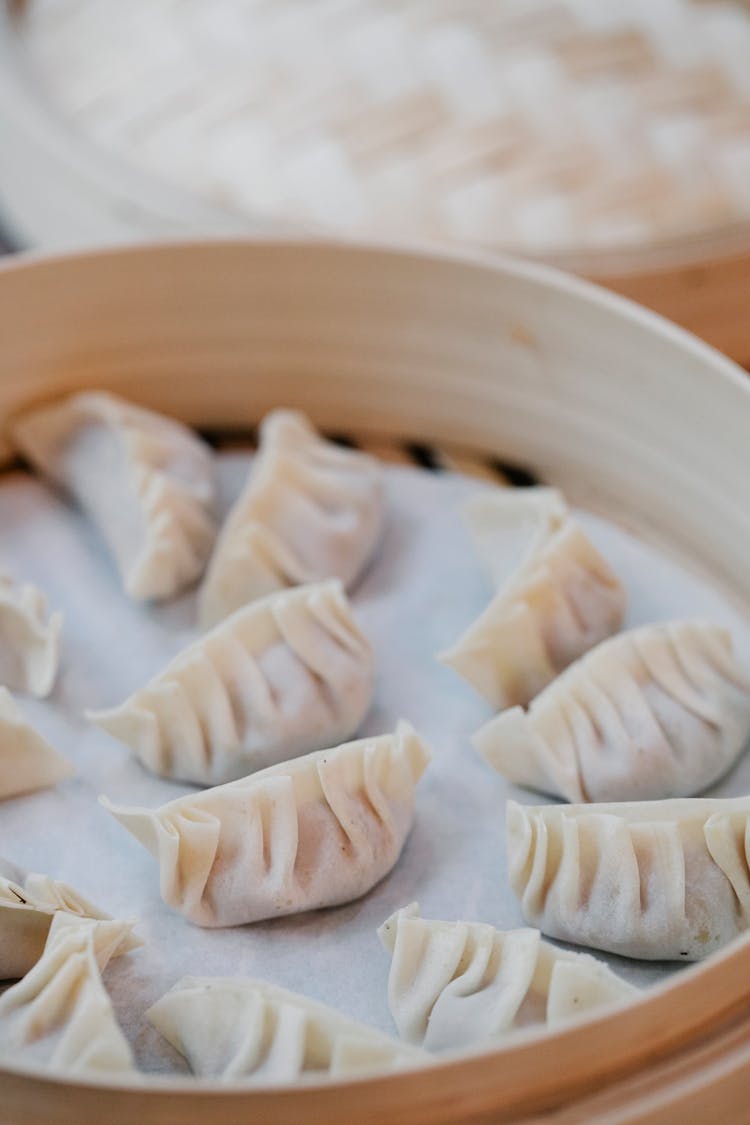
x=27 y=761
x=557 y=596
x=317 y=831
x=458 y=984
x=658 y=880
x=146 y=482
x=310 y=510
x=284 y=676
x=662 y=711
x=27 y=906
x=29 y=638
x=59 y=1015
x=236 y=1029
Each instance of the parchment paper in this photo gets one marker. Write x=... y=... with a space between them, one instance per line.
x=422 y=590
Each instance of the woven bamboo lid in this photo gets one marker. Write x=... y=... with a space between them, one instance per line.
x=612 y=139
x=549 y=127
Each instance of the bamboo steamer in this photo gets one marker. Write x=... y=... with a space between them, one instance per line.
x=496 y=359
x=691 y=262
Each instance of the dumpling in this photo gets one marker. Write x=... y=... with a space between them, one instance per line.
x=281 y=677
x=27 y=761
x=27 y=907
x=29 y=638
x=557 y=597
x=456 y=984
x=510 y=527
x=60 y=1015
x=233 y=1028
x=146 y=481
x=310 y=510
x=318 y=831
x=658 y=880
x=662 y=711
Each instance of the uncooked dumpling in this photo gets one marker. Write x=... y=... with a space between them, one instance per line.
x=235 y=1029
x=60 y=1015
x=317 y=831
x=27 y=761
x=557 y=596
x=658 y=880
x=662 y=711
x=146 y=482
x=310 y=511
x=27 y=907
x=284 y=676
x=458 y=984
x=29 y=638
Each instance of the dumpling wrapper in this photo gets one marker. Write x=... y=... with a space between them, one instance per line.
x=557 y=596
x=318 y=831
x=655 y=880
x=661 y=711
x=27 y=761
x=281 y=677
x=310 y=510
x=237 y=1029
x=145 y=481
x=461 y=984
x=27 y=906
x=59 y=1015
x=29 y=638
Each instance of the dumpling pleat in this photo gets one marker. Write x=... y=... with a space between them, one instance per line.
x=667 y=656
x=313 y=832
x=556 y=596
x=656 y=880
x=29 y=638
x=452 y=984
x=236 y=1029
x=645 y=715
x=59 y=1013
x=416 y=980
x=486 y=995
x=203 y=683
x=174 y=727
x=279 y=678
x=145 y=480
x=728 y=841
x=310 y=511
x=279 y=826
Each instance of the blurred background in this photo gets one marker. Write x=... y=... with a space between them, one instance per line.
x=610 y=137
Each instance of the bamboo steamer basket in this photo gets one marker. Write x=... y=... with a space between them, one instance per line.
x=496 y=360
x=61 y=188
